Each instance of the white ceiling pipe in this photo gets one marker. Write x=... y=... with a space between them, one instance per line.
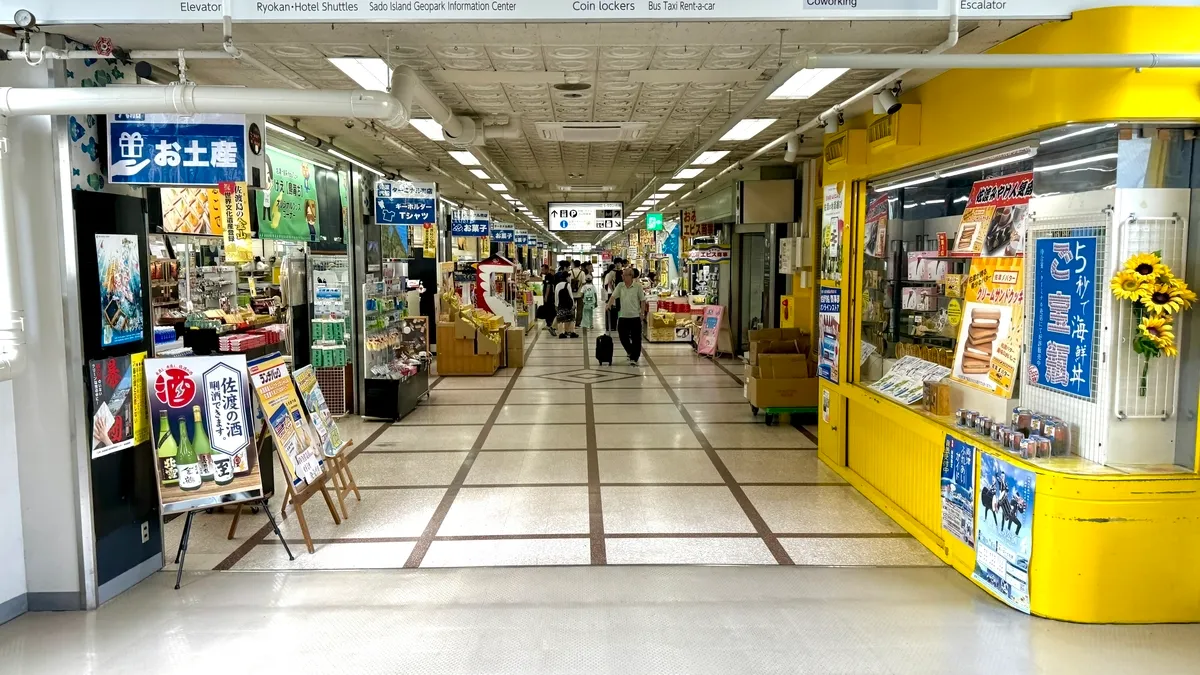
x=36 y=56
x=509 y=130
x=793 y=146
x=234 y=51
x=12 y=313
x=934 y=61
x=408 y=88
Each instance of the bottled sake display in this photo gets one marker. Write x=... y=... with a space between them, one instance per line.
x=190 y=473
x=168 y=450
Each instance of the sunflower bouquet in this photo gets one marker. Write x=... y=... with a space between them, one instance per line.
x=1158 y=296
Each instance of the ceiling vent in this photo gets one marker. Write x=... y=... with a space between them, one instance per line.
x=590 y=132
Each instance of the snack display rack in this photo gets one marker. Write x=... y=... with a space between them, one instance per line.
x=395 y=346
x=329 y=281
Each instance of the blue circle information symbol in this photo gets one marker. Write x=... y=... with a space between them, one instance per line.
x=562 y=224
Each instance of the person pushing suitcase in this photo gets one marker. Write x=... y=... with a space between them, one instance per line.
x=629 y=317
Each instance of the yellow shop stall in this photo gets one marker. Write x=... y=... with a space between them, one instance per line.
x=1009 y=293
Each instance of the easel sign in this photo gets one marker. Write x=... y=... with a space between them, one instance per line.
x=333 y=445
x=285 y=419
x=715 y=337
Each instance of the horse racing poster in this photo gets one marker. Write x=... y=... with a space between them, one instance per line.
x=958 y=490
x=1003 y=530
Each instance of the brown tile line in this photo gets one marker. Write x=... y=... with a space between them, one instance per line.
x=811 y=436
x=728 y=371
x=436 y=382
x=429 y=451
x=760 y=524
x=610 y=535
x=601 y=484
x=599 y=554
x=257 y=538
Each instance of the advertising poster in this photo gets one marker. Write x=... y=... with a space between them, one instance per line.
x=1063 y=341
x=1004 y=530
x=393 y=239
x=112 y=405
x=290 y=211
x=988 y=351
x=119 y=264
x=833 y=214
x=993 y=224
x=318 y=412
x=141 y=418
x=191 y=211
x=234 y=201
x=203 y=433
x=829 y=318
x=281 y=408
x=958 y=490
x=875 y=234
x=429 y=240
x=709 y=330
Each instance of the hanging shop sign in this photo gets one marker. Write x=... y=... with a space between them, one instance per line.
x=503 y=233
x=709 y=253
x=290 y=211
x=875 y=234
x=1063 y=340
x=281 y=409
x=191 y=211
x=235 y=222
x=112 y=405
x=586 y=215
x=830 y=321
x=993 y=224
x=119 y=265
x=469 y=223
x=401 y=202
x=958 y=490
x=203 y=433
x=654 y=222
x=988 y=352
x=832 y=224
x=169 y=149
x=521 y=238
x=318 y=411
x=1004 y=530
x=671 y=245
x=689 y=222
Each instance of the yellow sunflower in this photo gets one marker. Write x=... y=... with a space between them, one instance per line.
x=1169 y=349
x=1148 y=266
x=1161 y=298
x=1126 y=285
x=1186 y=295
x=1158 y=330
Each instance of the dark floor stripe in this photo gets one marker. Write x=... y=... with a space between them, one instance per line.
x=589 y=484
x=610 y=535
x=728 y=371
x=595 y=505
x=811 y=436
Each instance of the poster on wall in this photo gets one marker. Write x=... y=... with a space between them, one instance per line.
x=318 y=411
x=280 y=403
x=119 y=264
x=203 y=432
x=1063 y=341
x=993 y=224
x=112 y=405
x=234 y=200
x=141 y=418
x=832 y=224
x=393 y=240
x=958 y=490
x=710 y=328
x=1004 y=530
x=290 y=203
x=191 y=211
x=429 y=240
x=829 y=319
x=988 y=351
x=875 y=234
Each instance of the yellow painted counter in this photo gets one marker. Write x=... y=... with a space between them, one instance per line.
x=1107 y=547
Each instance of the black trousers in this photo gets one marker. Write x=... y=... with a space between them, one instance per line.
x=610 y=316
x=630 y=331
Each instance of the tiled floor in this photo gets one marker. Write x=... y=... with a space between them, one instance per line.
x=564 y=462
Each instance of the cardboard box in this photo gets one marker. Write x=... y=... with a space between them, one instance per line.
x=486 y=345
x=784 y=393
x=767 y=334
x=784 y=366
x=516 y=359
x=463 y=330
x=515 y=340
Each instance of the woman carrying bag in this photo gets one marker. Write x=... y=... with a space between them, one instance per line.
x=589 y=305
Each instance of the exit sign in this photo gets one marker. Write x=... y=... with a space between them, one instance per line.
x=654 y=221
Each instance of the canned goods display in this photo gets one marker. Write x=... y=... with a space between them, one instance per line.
x=1042 y=449
x=1028 y=448
x=1021 y=418
x=984 y=426
x=972 y=418
x=961 y=416
x=1015 y=440
x=1035 y=425
x=1060 y=436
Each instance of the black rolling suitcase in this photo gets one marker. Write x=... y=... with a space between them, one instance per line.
x=604 y=349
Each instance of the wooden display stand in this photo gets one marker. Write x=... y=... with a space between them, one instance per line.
x=459 y=354
x=343 y=480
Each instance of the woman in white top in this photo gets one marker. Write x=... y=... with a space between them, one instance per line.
x=565 y=304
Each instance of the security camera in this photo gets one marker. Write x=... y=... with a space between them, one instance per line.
x=885 y=103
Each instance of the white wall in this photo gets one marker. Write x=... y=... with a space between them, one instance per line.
x=12 y=547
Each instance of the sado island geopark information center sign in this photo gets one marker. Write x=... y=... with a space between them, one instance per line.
x=328 y=11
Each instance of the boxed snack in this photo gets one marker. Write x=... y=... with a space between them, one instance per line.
x=921 y=298
x=924 y=266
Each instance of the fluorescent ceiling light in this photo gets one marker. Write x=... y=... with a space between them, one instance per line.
x=498 y=186
x=807 y=82
x=685 y=174
x=660 y=195
x=671 y=187
x=431 y=129
x=710 y=157
x=465 y=158
x=481 y=174
x=285 y=131
x=747 y=129
x=355 y=162
x=1077 y=132
x=1076 y=162
x=1008 y=159
x=372 y=74
x=907 y=183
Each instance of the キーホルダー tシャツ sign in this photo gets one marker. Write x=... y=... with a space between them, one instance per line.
x=401 y=202
x=585 y=215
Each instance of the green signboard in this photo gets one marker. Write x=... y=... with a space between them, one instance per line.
x=291 y=203
x=654 y=221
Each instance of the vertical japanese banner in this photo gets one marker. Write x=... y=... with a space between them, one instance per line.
x=290 y=210
x=429 y=240
x=141 y=420
x=112 y=405
x=1063 y=340
x=203 y=438
x=958 y=490
x=833 y=215
x=318 y=412
x=235 y=221
x=988 y=351
x=294 y=440
x=830 y=324
x=993 y=223
x=120 y=275
x=875 y=233
x=1004 y=530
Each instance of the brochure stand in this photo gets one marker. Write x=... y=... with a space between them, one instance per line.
x=343 y=480
x=297 y=499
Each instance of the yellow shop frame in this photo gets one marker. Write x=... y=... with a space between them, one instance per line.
x=1106 y=548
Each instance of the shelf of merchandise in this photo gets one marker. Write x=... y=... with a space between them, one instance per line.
x=395 y=364
x=329 y=291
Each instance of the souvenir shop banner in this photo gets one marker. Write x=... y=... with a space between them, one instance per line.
x=1062 y=344
x=203 y=432
x=285 y=419
x=191 y=211
x=710 y=329
x=112 y=405
x=119 y=263
x=521 y=238
x=291 y=203
x=169 y=149
x=401 y=202
x=503 y=233
x=958 y=490
x=318 y=412
x=1004 y=530
x=429 y=237
x=234 y=201
x=468 y=223
x=875 y=234
x=988 y=352
x=832 y=223
x=993 y=224
x=830 y=320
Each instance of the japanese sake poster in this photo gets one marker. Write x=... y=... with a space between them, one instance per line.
x=833 y=214
x=988 y=351
x=201 y=427
x=294 y=439
x=1004 y=530
x=1063 y=340
x=112 y=405
x=993 y=224
x=290 y=203
x=958 y=490
x=119 y=264
x=318 y=411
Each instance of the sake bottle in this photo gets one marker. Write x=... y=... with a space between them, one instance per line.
x=201 y=446
x=185 y=460
x=167 y=450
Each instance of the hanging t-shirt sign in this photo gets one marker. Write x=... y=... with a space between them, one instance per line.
x=167 y=149
x=469 y=223
x=1062 y=345
x=401 y=202
x=503 y=235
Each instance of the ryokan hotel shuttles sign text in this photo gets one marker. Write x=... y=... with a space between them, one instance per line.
x=50 y=12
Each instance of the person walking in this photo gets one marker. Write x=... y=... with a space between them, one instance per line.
x=589 y=302
x=565 y=301
x=611 y=279
x=578 y=278
x=628 y=296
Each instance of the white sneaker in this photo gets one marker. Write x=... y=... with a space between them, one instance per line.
x=632 y=362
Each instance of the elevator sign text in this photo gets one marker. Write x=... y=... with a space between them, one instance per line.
x=1062 y=345
x=162 y=149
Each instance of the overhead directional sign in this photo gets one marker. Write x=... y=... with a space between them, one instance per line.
x=654 y=221
x=585 y=216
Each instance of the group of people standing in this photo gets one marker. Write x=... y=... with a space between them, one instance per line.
x=570 y=300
